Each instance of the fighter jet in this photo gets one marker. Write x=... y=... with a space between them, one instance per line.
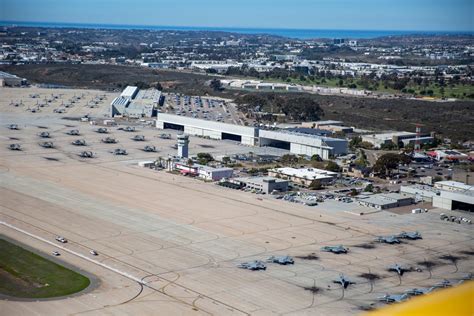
x=165 y=136
x=102 y=130
x=283 y=260
x=343 y=281
x=73 y=132
x=13 y=127
x=394 y=298
x=335 y=249
x=149 y=149
x=388 y=239
x=410 y=235
x=443 y=284
x=119 y=152
x=253 y=265
x=44 y=135
x=139 y=138
x=420 y=291
x=86 y=154
x=79 y=142
x=129 y=129
x=47 y=144
x=399 y=269
x=109 y=140
x=14 y=147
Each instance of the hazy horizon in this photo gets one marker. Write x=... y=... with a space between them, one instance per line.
x=365 y=15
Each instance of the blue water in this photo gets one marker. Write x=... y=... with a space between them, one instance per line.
x=291 y=33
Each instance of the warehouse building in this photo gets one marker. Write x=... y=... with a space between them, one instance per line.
x=304 y=176
x=400 y=139
x=264 y=184
x=385 y=201
x=136 y=103
x=10 y=80
x=454 y=196
x=296 y=143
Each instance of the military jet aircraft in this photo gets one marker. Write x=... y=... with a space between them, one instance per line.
x=410 y=235
x=444 y=284
x=399 y=269
x=13 y=127
x=420 y=291
x=120 y=151
x=14 y=147
x=335 y=249
x=149 y=148
x=102 y=130
x=129 y=129
x=388 y=239
x=73 y=132
x=47 y=144
x=109 y=140
x=79 y=142
x=138 y=138
x=253 y=265
x=394 y=298
x=165 y=136
x=44 y=135
x=283 y=260
x=86 y=154
x=343 y=281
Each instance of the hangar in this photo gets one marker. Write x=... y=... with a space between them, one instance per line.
x=296 y=143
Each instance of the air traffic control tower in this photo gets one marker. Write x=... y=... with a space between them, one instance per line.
x=183 y=142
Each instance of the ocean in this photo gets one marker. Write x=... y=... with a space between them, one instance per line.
x=290 y=33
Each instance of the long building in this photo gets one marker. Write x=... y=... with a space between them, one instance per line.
x=134 y=102
x=296 y=143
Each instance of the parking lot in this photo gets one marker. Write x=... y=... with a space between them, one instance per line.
x=206 y=108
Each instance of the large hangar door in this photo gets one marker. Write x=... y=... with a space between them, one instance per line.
x=234 y=137
x=173 y=126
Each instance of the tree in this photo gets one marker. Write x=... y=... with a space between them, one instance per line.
x=190 y=162
x=369 y=188
x=316 y=157
x=332 y=166
x=289 y=159
x=204 y=158
x=387 y=162
x=315 y=185
x=216 y=85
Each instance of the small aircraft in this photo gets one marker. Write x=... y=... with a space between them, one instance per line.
x=444 y=284
x=399 y=269
x=165 y=136
x=253 y=265
x=47 y=144
x=149 y=148
x=335 y=249
x=343 y=281
x=73 y=132
x=102 y=130
x=283 y=260
x=120 y=151
x=394 y=298
x=44 y=135
x=86 y=154
x=109 y=140
x=13 y=127
x=388 y=239
x=410 y=235
x=14 y=147
x=79 y=142
x=138 y=138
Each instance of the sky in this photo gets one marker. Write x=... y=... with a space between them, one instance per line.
x=411 y=15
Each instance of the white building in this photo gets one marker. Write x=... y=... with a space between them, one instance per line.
x=397 y=138
x=384 y=201
x=454 y=196
x=304 y=176
x=296 y=143
x=214 y=174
